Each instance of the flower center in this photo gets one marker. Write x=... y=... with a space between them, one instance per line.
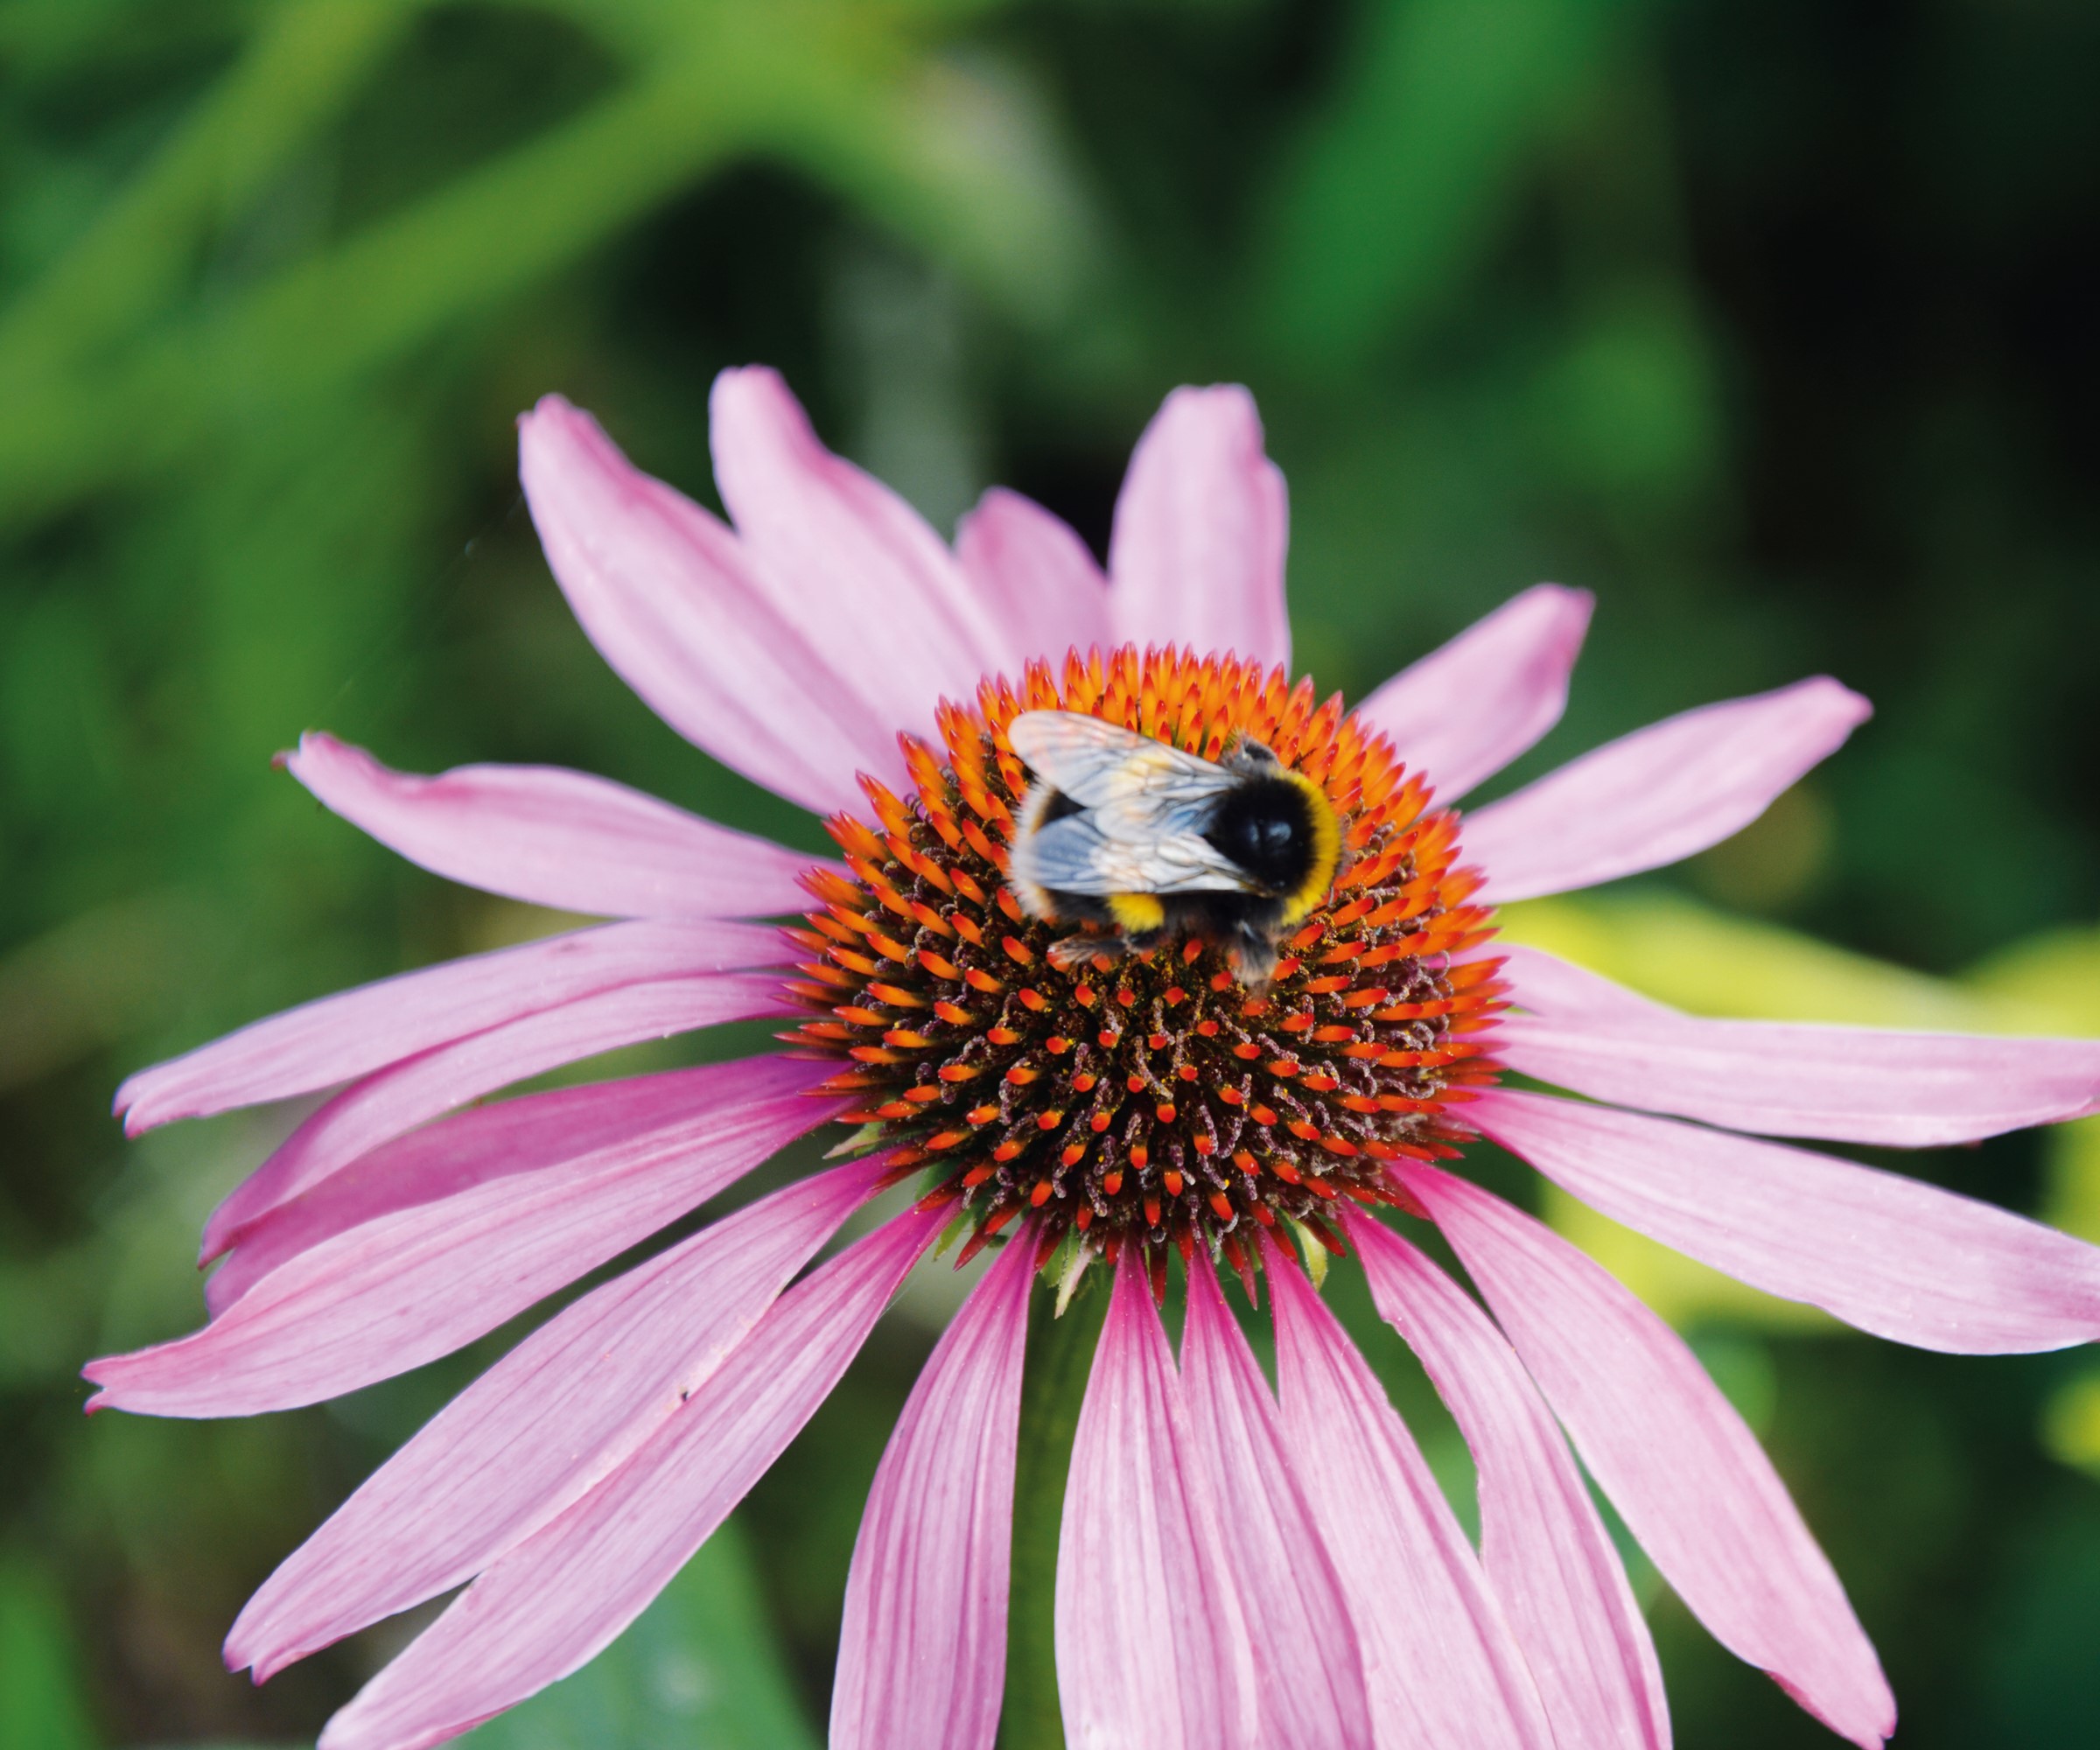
x=1150 y=1098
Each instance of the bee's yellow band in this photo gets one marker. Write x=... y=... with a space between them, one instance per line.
x=1137 y=913
x=1327 y=853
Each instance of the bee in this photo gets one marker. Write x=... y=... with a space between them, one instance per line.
x=1144 y=843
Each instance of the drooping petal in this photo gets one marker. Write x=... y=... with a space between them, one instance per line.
x=1467 y=709
x=550 y=1421
x=1151 y=1645
x=553 y=1603
x=1548 y=1556
x=1441 y=1664
x=1658 y=794
x=393 y=1101
x=480 y=1245
x=1781 y=1078
x=1308 y=1669
x=1197 y=553
x=668 y=596
x=522 y=1135
x=873 y=588
x=1686 y=1475
x=353 y=1032
x=1891 y=1255
x=1040 y=574
x=922 y=1651
x=555 y=837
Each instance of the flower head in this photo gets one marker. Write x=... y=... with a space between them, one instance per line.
x=1236 y=1566
x=1153 y=1099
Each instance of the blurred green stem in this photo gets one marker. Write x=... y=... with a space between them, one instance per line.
x=306 y=63
x=338 y=315
x=1060 y=1353
x=854 y=104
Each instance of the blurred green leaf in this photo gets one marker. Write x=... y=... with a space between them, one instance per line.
x=953 y=154
x=698 y=1669
x=2054 y=977
x=1713 y=964
x=95 y=979
x=2055 y=974
x=42 y=1703
x=1403 y=177
x=2073 y=1197
x=1630 y=408
x=2038 y=1681
x=961 y=156
x=2071 y=1424
x=306 y=62
x=331 y=319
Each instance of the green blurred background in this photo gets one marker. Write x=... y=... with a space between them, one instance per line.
x=1773 y=324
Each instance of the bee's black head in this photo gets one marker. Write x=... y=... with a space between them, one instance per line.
x=1265 y=825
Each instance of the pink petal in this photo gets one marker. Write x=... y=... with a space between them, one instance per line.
x=522 y=1135
x=668 y=597
x=1851 y=1084
x=1278 y=1566
x=1660 y=794
x=1468 y=709
x=353 y=1032
x=1038 y=572
x=1548 y=1556
x=1684 y=1473
x=484 y=1242
x=1197 y=554
x=870 y=586
x=396 y=1099
x=547 y=1423
x=922 y=1653
x=1151 y=1647
x=555 y=837
x=1902 y=1259
x=1442 y=1666
x=552 y=1604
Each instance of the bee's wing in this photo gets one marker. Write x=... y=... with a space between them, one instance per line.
x=1143 y=805
x=1100 y=765
x=1083 y=853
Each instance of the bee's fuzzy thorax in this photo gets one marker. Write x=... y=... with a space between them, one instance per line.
x=1155 y=1099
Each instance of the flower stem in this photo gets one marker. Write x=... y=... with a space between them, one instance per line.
x=1060 y=1351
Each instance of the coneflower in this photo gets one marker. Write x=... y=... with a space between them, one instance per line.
x=1237 y=1567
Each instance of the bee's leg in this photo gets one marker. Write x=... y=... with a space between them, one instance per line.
x=1253 y=953
x=1104 y=950
x=1071 y=952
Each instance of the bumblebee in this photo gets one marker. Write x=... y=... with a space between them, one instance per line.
x=1144 y=844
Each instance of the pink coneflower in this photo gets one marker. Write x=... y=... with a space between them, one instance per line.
x=1237 y=1567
